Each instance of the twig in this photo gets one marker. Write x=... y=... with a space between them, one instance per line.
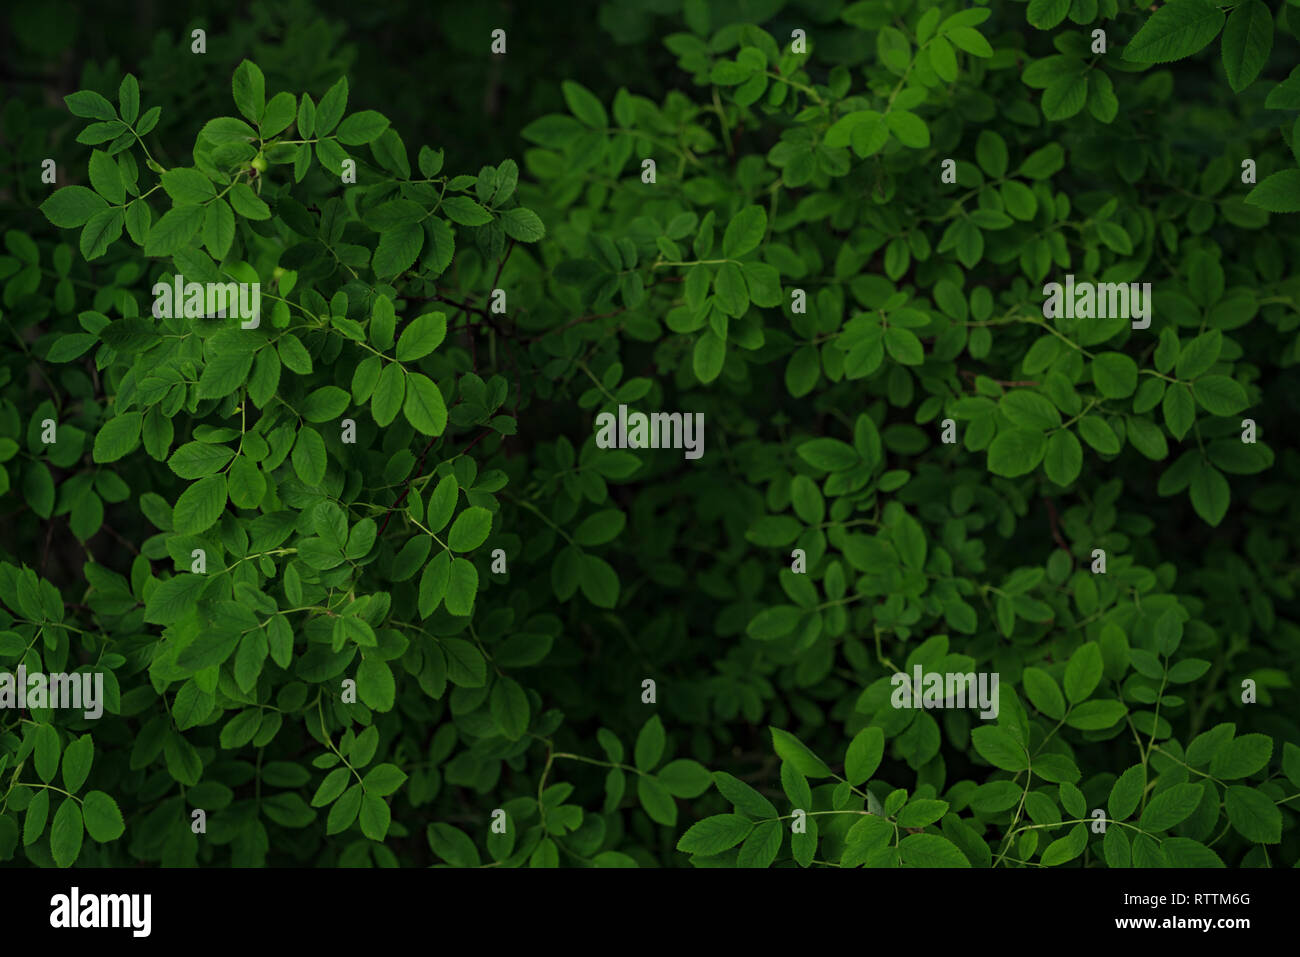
x=419 y=464
x=1003 y=382
x=1052 y=517
x=106 y=527
x=574 y=322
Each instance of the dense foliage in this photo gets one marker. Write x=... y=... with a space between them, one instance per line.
x=362 y=584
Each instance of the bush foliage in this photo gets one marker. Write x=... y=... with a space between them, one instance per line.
x=642 y=658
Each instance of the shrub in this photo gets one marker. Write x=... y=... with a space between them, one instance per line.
x=364 y=588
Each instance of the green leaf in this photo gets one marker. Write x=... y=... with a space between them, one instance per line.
x=1045 y=14
x=1247 y=41
x=970 y=40
x=442 y=503
x=775 y=622
x=128 y=98
x=223 y=375
x=732 y=293
x=90 y=105
x=599 y=581
x=922 y=811
x=187 y=187
x=1220 y=395
x=509 y=707
x=1208 y=743
x=715 y=834
x=169 y=601
x=462 y=586
x=1042 y=163
x=1102 y=101
x=1098 y=434
x=77 y=759
x=333 y=785
x=1063 y=458
x=1210 y=493
x=894 y=49
x=744 y=232
x=309 y=458
x=422 y=336
x=345 y=809
x=247 y=203
x=465 y=664
x=685 y=778
x=279 y=113
x=709 y=355
x=1291 y=762
x=584 y=105
x=375 y=817
x=908 y=128
x=656 y=801
x=1240 y=758
x=1171 y=806
x=991 y=153
x=903 y=346
x=118 y=436
x=523 y=225
x=218 y=228
x=1066 y=848
x=323 y=404
x=831 y=455
x=466 y=212
x=433 y=583
x=762 y=845
x=1196 y=356
x=864 y=754
x=1115 y=237
x=1176 y=30
x=842 y=130
x=649 y=744
x=1126 y=793
x=1016 y=452
x=1179 y=410
x=106 y=178
x=365 y=126
x=173 y=230
x=398 y=249
x=249 y=88
x=72 y=206
x=67 y=833
x=424 y=407
x=388 y=395
x=332 y=107
x=999 y=749
x=943 y=59
x=382 y=779
x=744 y=798
x=931 y=850
x=1279 y=193
x=38 y=815
x=470 y=529
x=1096 y=715
x=103 y=820
x=200 y=505
x=1253 y=814
x=1044 y=693
x=452 y=845
x=791 y=749
x=1114 y=374
x=600 y=528
x=375 y=685
x=1065 y=96
x=1083 y=672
